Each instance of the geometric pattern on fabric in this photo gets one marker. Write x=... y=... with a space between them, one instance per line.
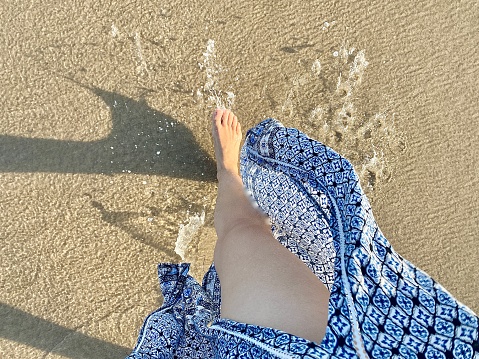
x=299 y=218
x=381 y=305
x=250 y=341
x=179 y=328
x=398 y=310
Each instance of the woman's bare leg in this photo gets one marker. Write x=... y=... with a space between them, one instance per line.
x=262 y=282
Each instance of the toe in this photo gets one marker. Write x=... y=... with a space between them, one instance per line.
x=225 y=117
x=238 y=129
x=217 y=114
x=230 y=118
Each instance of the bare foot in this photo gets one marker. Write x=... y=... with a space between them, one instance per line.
x=227 y=137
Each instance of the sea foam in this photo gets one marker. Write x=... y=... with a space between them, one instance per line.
x=368 y=141
x=211 y=89
x=187 y=233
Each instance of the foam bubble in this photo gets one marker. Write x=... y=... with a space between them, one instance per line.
x=316 y=67
x=114 y=30
x=327 y=25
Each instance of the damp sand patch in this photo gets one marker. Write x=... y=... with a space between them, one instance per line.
x=370 y=142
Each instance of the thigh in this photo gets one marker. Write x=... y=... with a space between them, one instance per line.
x=263 y=283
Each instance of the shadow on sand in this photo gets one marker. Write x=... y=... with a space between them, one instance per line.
x=142 y=140
x=21 y=327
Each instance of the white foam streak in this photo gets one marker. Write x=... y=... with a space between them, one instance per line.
x=187 y=232
x=215 y=96
x=141 y=67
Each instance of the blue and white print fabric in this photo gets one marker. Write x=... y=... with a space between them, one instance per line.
x=381 y=306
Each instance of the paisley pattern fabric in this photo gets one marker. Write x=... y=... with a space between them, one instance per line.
x=381 y=306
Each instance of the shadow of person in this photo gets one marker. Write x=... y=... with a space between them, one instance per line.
x=24 y=328
x=142 y=140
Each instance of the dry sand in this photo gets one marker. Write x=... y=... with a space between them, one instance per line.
x=106 y=157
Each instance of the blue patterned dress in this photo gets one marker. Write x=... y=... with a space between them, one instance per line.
x=381 y=306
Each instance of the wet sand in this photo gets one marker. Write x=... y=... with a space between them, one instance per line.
x=106 y=162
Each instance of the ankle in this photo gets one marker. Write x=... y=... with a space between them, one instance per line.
x=228 y=174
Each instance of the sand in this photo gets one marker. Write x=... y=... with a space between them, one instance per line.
x=106 y=162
